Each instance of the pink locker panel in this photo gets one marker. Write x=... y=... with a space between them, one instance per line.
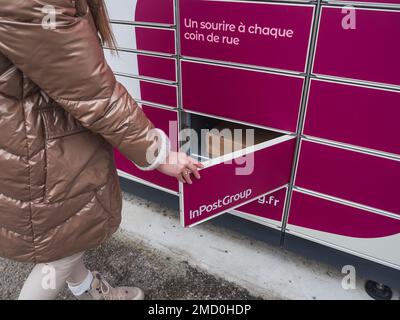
x=151 y=92
x=369 y=52
x=367 y=233
x=251 y=96
x=156 y=40
x=148 y=11
x=163 y=119
x=352 y=114
x=134 y=64
x=380 y=2
x=273 y=35
x=151 y=39
x=158 y=93
x=354 y=176
x=157 y=67
x=270 y=206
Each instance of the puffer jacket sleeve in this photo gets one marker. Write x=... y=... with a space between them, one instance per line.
x=61 y=53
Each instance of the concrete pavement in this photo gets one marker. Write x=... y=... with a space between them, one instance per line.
x=154 y=252
x=126 y=262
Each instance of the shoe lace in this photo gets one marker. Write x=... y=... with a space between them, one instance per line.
x=105 y=289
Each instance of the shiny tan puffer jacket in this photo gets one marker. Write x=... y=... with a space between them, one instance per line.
x=61 y=111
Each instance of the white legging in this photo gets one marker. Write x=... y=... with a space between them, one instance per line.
x=47 y=279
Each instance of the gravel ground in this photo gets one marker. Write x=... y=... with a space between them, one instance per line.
x=126 y=262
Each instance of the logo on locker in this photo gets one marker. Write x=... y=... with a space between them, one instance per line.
x=227 y=200
x=269 y=200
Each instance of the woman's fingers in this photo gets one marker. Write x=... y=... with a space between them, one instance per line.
x=180 y=178
x=189 y=166
x=196 y=163
x=186 y=176
x=193 y=169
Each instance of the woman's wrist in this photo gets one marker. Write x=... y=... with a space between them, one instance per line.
x=163 y=151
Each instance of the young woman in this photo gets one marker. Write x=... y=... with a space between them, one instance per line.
x=61 y=112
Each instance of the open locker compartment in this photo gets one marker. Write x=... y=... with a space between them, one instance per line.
x=256 y=162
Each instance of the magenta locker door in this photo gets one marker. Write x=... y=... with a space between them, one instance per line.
x=353 y=114
x=254 y=33
x=268 y=208
x=222 y=188
x=391 y=2
x=364 y=232
x=155 y=40
x=166 y=120
x=134 y=64
x=149 y=39
x=148 y=11
x=150 y=91
x=246 y=95
x=157 y=67
x=370 y=52
x=354 y=176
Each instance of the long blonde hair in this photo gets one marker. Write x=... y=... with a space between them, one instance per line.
x=102 y=22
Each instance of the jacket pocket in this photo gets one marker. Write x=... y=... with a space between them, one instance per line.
x=77 y=160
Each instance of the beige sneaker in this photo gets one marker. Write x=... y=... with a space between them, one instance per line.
x=102 y=290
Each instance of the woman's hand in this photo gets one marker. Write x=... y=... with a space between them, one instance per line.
x=180 y=166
